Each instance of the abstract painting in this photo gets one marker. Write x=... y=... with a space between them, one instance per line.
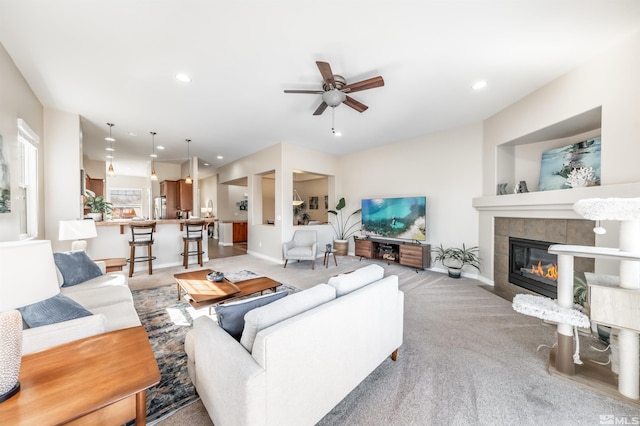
x=570 y=166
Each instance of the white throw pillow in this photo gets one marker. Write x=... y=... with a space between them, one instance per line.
x=346 y=283
x=265 y=316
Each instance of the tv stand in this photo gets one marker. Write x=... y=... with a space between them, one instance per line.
x=406 y=253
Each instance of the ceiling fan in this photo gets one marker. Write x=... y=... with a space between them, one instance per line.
x=335 y=89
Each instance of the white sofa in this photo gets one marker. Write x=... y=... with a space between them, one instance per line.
x=298 y=369
x=107 y=297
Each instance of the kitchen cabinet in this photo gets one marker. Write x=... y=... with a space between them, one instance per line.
x=169 y=190
x=240 y=232
x=185 y=196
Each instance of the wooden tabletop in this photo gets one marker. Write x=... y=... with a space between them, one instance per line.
x=68 y=381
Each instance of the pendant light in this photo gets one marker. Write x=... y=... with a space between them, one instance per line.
x=110 y=170
x=297 y=200
x=188 y=180
x=154 y=176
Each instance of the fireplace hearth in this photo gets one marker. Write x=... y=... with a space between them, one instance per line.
x=532 y=267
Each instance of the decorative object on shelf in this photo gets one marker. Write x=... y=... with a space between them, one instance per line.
x=78 y=231
x=521 y=187
x=97 y=205
x=581 y=177
x=28 y=285
x=558 y=164
x=342 y=228
x=154 y=176
x=502 y=189
x=111 y=140
x=455 y=258
x=188 y=180
x=327 y=247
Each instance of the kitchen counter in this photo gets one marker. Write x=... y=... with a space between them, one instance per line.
x=113 y=241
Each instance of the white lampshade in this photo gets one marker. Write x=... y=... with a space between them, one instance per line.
x=77 y=230
x=28 y=276
x=28 y=273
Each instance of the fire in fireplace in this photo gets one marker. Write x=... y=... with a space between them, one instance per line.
x=532 y=267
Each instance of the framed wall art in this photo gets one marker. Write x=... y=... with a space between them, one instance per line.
x=571 y=166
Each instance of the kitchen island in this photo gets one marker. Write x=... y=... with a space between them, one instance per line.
x=114 y=235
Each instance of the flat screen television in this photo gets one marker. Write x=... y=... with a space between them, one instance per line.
x=402 y=218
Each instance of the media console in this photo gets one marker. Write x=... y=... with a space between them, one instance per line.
x=407 y=253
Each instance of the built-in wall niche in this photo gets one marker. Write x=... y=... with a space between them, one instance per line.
x=520 y=159
x=313 y=190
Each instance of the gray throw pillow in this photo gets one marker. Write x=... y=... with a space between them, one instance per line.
x=56 y=309
x=231 y=316
x=76 y=267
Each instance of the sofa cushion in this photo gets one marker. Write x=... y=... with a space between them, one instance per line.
x=280 y=310
x=231 y=315
x=56 y=309
x=346 y=283
x=76 y=267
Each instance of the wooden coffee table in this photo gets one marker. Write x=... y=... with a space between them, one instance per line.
x=203 y=292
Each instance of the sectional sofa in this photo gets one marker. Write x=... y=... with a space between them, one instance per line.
x=300 y=355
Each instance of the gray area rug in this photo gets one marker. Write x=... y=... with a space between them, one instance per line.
x=467 y=359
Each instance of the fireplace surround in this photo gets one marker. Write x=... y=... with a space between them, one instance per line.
x=549 y=231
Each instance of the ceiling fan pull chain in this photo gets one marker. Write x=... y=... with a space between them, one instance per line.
x=333 y=120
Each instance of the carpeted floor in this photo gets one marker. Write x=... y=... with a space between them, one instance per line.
x=467 y=359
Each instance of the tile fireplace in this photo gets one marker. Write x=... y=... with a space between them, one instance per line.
x=518 y=272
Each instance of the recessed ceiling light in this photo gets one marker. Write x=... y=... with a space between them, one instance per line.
x=109 y=156
x=110 y=139
x=160 y=147
x=337 y=133
x=132 y=134
x=219 y=157
x=183 y=77
x=153 y=155
x=110 y=149
x=479 y=85
x=206 y=164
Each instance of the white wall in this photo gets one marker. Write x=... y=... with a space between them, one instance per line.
x=18 y=101
x=445 y=167
x=209 y=191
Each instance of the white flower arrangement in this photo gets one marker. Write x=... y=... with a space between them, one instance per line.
x=582 y=176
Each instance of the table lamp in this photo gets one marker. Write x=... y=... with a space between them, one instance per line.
x=77 y=230
x=22 y=284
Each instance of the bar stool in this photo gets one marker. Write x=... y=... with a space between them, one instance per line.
x=141 y=235
x=193 y=234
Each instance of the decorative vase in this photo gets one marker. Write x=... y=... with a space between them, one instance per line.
x=97 y=217
x=341 y=246
x=454 y=272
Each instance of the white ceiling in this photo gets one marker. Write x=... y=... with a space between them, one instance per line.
x=115 y=61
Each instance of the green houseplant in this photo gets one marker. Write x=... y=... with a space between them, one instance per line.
x=343 y=227
x=97 y=205
x=455 y=258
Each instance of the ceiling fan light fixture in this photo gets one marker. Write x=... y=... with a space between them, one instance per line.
x=333 y=97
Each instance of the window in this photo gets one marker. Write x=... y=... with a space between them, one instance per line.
x=28 y=181
x=127 y=202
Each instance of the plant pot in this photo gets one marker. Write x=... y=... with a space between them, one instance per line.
x=97 y=217
x=454 y=272
x=341 y=246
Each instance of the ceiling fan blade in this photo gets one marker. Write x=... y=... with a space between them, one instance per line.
x=312 y=92
x=327 y=74
x=364 y=85
x=321 y=108
x=358 y=106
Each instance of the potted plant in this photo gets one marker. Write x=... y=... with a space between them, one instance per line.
x=342 y=228
x=455 y=258
x=97 y=205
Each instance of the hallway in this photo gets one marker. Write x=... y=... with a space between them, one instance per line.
x=217 y=251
